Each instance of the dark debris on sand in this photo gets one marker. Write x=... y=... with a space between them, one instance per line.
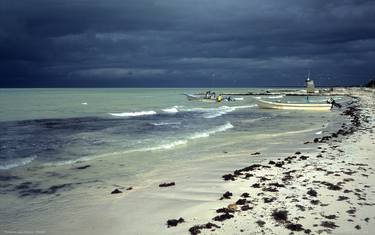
x=261 y=223
x=330 y=216
x=330 y=186
x=174 y=222
x=294 y=227
x=226 y=195
x=225 y=210
x=312 y=192
x=245 y=195
x=167 y=184
x=280 y=215
x=269 y=199
x=116 y=191
x=241 y=202
x=328 y=224
x=246 y=208
x=82 y=167
x=197 y=228
x=223 y=217
x=342 y=198
x=229 y=177
x=243 y=172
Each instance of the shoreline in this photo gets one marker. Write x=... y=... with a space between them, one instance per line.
x=199 y=187
x=306 y=192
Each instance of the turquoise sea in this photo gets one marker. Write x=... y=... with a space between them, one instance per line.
x=60 y=143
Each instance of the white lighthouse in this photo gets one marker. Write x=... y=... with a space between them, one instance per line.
x=310 y=87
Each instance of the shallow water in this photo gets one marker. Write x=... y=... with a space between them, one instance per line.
x=66 y=141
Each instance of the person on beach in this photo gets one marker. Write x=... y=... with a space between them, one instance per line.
x=219 y=98
x=334 y=103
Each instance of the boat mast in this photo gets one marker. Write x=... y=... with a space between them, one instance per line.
x=307 y=80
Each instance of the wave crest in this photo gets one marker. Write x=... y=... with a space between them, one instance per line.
x=221 y=128
x=21 y=162
x=133 y=114
x=162 y=146
x=165 y=123
x=171 y=110
x=224 y=110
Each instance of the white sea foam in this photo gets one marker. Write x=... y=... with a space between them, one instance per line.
x=165 y=123
x=20 y=162
x=74 y=161
x=275 y=97
x=219 y=111
x=171 y=110
x=286 y=133
x=244 y=106
x=133 y=114
x=164 y=146
x=207 y=133
x=224 y=110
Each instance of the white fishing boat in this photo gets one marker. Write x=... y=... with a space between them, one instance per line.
x=204 y=98
x=194 y=97
x=293 y=106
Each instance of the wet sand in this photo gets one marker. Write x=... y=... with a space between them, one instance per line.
x=330 y=190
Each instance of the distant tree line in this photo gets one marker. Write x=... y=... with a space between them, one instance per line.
x=371 y=83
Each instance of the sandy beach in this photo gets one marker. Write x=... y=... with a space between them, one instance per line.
x=326 y=190
x=300 y=183
x=327 y=186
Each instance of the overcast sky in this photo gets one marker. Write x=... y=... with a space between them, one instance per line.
x=185 y=43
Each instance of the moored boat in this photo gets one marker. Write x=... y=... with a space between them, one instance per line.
x=194 y=97
x=205 y=98
x=293 y=106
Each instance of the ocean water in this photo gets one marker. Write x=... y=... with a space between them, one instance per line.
x=65 y=141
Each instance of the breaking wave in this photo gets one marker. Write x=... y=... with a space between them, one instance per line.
x=224 y=110
x=217 y=112
x=205 y=134
x=165 y=123
x=133 y=114
x=275 y=97
x=163 y=146
x=173 y=109
x=21 y=162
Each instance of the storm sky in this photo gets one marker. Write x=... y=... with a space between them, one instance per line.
x=185 y=43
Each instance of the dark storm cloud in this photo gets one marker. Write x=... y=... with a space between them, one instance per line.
x=185 y=43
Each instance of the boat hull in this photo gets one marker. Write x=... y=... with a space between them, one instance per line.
x=200 y=98
x=310 y=107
